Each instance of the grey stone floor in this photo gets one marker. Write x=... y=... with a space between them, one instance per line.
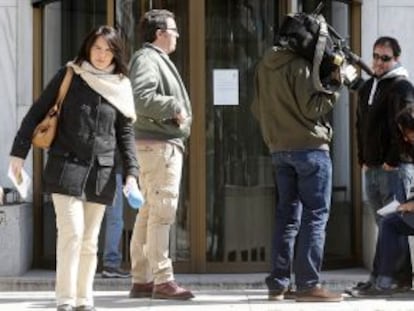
x=205 y=300
x=214 y=292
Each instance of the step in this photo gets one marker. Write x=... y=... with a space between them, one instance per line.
x=44 y=280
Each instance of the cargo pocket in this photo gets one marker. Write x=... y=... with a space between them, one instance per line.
x=73 y=176
x=166 y=206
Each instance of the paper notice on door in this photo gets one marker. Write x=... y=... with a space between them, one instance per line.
x=22 y=182
x=389 y=208
x=226 y=87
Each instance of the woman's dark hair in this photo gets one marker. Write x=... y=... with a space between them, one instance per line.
x=153 y=20
x=405 y=118
x=390 y=42
x=113 y=38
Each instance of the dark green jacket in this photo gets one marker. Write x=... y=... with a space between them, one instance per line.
x=159 y=95
x=291 y=112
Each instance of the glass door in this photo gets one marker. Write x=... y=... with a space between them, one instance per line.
x=231 y=229
x=339 y=248
x=240 y=190
x=128 y=14
x=65 y=24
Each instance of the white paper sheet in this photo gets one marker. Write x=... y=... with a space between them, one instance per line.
x=389 y=208
x=22 y=183
x=226 y=87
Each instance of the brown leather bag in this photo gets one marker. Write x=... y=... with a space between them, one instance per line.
x=45 y=131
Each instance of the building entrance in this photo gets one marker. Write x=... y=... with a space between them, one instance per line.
x=226 y=214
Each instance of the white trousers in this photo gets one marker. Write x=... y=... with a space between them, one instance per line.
x=78 y=224
x=159 y=178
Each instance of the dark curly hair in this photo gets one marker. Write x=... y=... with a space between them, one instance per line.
x=405 y=121
x=405 y=118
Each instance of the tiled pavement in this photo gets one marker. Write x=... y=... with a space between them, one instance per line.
x=241 y=292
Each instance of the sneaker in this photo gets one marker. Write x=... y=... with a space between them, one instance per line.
x=405 y=285
x=373 y=291
x=110 y=272
x=65 y=307
x=318 y=294
x=141 y=290
x=358 y=286
x=171 y=290
x=402 y=289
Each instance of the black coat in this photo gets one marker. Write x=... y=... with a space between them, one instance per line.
x=377 y=132
x=81 y=158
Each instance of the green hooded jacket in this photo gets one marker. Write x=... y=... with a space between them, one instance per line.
x=291 y=112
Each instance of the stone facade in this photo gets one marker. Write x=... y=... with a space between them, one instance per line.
x=16 y=239
x=16 y=67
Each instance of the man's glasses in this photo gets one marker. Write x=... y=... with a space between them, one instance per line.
x=173 y=29
x=383 y=58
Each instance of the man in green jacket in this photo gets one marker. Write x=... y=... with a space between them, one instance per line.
x=163 y=125
x=291 y=112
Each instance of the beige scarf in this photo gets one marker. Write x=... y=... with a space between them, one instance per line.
x=115 y=88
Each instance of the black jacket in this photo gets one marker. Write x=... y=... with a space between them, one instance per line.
x=377 y=131
x=81 y=158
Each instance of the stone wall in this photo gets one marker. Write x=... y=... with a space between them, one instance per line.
x=16 y=239
x=16 y=67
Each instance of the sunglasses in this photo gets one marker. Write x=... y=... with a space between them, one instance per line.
x=383 y=58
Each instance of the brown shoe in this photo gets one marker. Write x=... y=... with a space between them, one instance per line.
x=276 y=294
x=141 y=290
x=171 y=290
x=280 y=294
x=318 y=294
x=290 y=294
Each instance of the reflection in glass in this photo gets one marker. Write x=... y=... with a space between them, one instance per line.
x=65 y=24
x=240 y=191
x=128 y=14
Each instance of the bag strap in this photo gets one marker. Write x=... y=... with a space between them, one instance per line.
x=318 y=55
x=64 y=87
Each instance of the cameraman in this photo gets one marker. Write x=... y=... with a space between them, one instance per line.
x=291 y=113
x=388 y=173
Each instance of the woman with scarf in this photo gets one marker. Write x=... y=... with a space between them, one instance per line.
x=96 y=118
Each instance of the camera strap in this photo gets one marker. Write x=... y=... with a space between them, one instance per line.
x=319 y=52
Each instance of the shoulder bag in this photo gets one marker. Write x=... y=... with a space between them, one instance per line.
x=45 y=131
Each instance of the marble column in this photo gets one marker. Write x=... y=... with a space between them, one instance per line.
x=16 y=72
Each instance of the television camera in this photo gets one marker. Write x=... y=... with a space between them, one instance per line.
x=312 y=37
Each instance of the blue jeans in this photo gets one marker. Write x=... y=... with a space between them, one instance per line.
x=381 y=188
x=114 y=225
x=304 y=185
x=391 y=250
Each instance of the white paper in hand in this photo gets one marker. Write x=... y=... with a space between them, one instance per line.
x=389 y=208
x=22 y=182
